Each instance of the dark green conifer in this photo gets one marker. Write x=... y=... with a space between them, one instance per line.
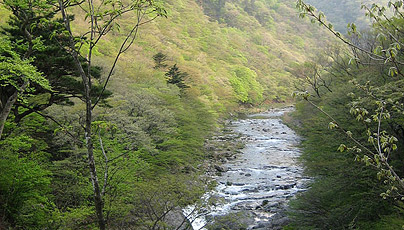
x=176 y=77
x=159 y=60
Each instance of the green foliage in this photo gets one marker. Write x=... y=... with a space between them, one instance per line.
x=343 y=193
x=157 y=201
x=15 y=70
x=176 y=77
x=245 y=86
x=151 y=132
x=159 y=60
x=210 y=48
x=229 y=222
x=389 y=222
x=213 y=8
x=42 y=40
x=24 y=183
x=366 y=193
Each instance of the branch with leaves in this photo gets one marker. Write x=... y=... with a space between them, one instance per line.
x=382 y=142
x=388 y=55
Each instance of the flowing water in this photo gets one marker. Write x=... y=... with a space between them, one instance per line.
x=256 y=186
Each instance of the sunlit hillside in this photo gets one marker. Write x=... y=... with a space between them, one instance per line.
x=220 y=46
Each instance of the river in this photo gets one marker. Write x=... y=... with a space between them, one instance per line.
x=254 y=188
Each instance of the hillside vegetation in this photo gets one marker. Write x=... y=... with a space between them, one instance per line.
x=234 y=52
x=343 y=12
x=350 y=114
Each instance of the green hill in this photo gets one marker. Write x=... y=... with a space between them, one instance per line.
x=222 y=45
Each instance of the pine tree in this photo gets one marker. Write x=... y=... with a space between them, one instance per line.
x=40 y=38
x=159 y=60
x=176 y=77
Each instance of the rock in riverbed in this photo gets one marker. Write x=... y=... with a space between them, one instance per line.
x=221 y=168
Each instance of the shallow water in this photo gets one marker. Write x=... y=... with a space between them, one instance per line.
x=263 y=177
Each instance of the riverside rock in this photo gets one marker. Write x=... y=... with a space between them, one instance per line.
x=220 y=168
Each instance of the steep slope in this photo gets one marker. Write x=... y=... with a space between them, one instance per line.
x=241 y=53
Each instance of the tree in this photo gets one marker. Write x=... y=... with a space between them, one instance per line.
x=159 y=204
x=102 y=19
x=25 y=182
x=176 y=77
x=311 y=74
x=17 y=78
x=246 y=88
x=29 y=26
x=375 y=102
x=159 y=60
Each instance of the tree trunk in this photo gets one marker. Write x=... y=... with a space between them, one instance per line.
x=98 y=203
x=7 y=107
x=99 y=206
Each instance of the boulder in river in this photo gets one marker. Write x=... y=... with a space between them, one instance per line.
x=260 y=226
x=220 y=168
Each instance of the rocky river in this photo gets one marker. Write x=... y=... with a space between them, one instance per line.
x=254 y=186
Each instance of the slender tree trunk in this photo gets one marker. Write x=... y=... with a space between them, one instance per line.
x=7 y=107
x=99 y=206
x=98 y=202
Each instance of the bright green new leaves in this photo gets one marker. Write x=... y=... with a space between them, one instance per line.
x=14 y=70
x=245 y=86
x=24 y=185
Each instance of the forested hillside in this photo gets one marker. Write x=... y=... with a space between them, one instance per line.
x=351 y=116
x=343 y=12
x=89 y=140
x=234 y=52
